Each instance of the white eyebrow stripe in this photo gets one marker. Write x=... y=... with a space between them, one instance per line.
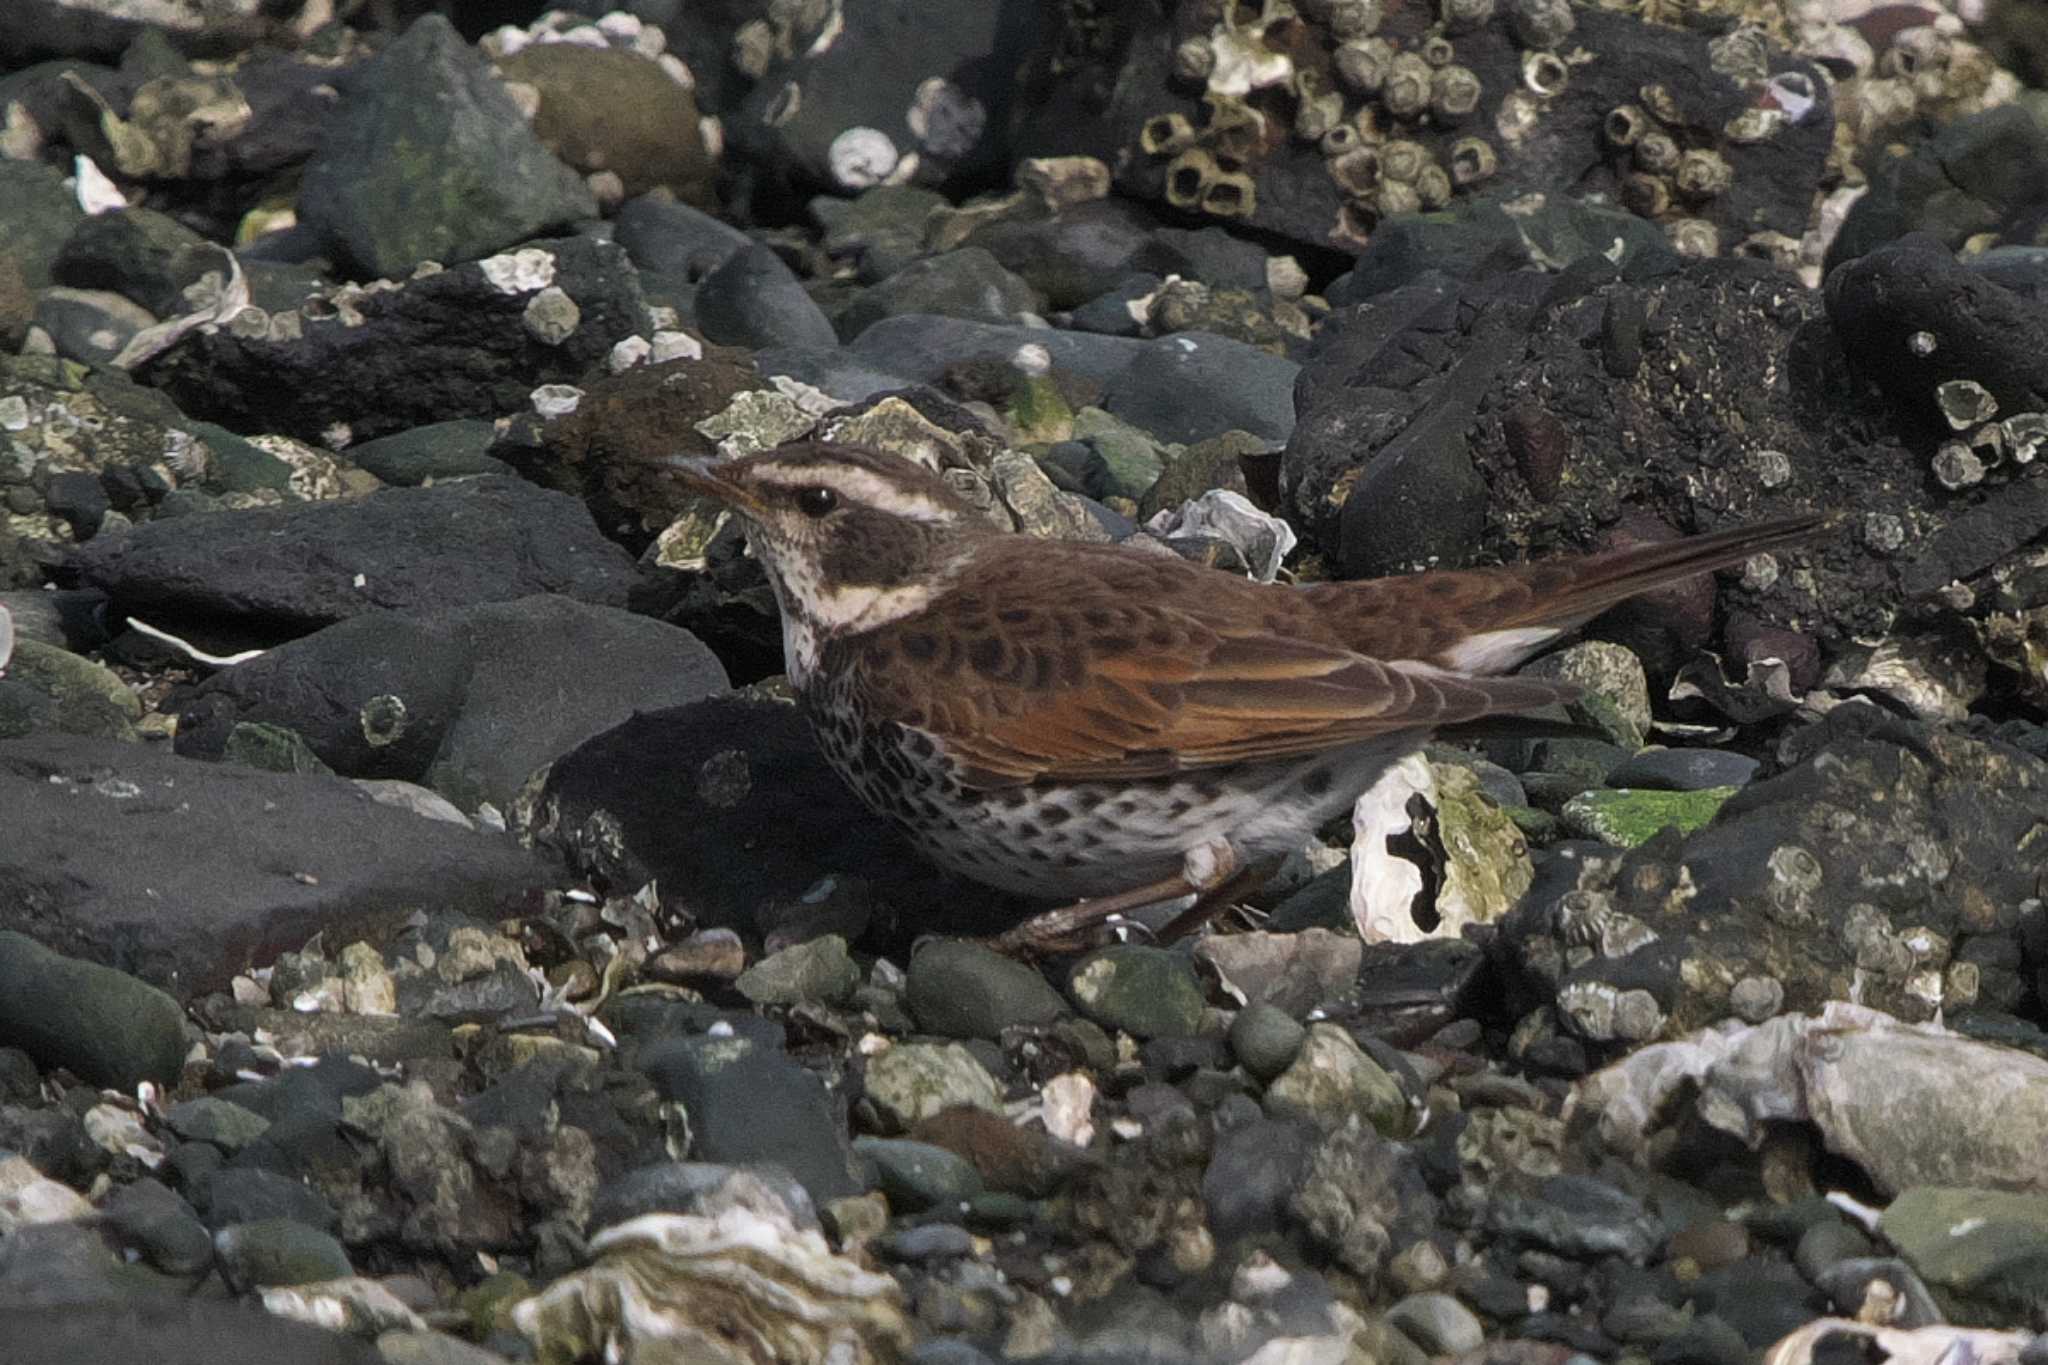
x=862 y=486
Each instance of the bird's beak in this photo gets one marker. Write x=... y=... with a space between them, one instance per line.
x=705 y=475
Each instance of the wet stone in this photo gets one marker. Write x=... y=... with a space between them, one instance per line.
x=917 y=1175
x=1438 y=1323
x=915 y=1081
x=817 y=972
x=1146 y=992
x=961 y=990
x=279 y=1251
x=1266 y=1040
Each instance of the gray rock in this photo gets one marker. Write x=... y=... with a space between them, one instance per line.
x=146 y=256
x=1684 y=770
x=917 y=1175
x=89 y=325
x=469 y=701
x=37 y=216
x=438 y=450
x=749 y=1103
x=836 y=372
x=1575 y=1216
x=1987 y=1248
x=1438 y=1323
x=1332 y=1080
x=670 y=238
x=1193 y=385
x=929 y=1242
x=279 y=1251
x=161 y=1226
x=47 y=687
x=967 y=283
x=429 y=159
x=295 y=568
x=1266 y=1040
x=1252 y=1172
x=232 y=1196
x=1146 y=992
x=911 y=1082
x=881 y=229
x=105 y=1025
x=753 y=300
x=223 y=1123
x=816 y=972
x=922 y=347
x=962 y=990
x=243 y=864
x=274 y=749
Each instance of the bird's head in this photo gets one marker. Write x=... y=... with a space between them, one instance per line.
x=851 y=537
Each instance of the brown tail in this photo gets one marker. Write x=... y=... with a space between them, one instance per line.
x=1489 y=620
x=1573 y=591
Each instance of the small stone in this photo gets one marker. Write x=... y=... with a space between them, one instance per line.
x=930 y=1242
x=1146 y=992
x=1266 y=1040
x=1609 y=671
x=163 y=1227
x=707 y=955
x=106 y=1026
x=1332 y=1080
x=817 y=972
x=915 y=1081
x=279 y=1251
x=1630 y=817
x=1438 y=1323
x=1756 y=998
x=961 y=990
x=918 y=1175
x=227 y=1126
x=1710 y=1245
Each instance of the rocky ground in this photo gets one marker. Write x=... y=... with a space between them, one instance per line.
x=427 y=934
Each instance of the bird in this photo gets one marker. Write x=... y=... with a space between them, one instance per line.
x=1118 y=727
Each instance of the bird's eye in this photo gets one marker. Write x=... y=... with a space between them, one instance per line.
x=816 y=502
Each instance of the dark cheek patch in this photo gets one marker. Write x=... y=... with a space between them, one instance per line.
x=869 y=550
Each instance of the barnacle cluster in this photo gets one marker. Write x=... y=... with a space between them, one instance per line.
x=1982 y=443
x=1668 y=169
x=1400 y=121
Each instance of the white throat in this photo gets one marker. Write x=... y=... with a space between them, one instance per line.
x=821 y=613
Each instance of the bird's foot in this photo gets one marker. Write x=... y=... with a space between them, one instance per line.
x=1213 y=873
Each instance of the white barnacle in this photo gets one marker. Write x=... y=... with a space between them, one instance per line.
x=860 y=157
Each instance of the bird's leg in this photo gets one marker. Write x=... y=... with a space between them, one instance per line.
x=1214 y=900
x=1212 y=872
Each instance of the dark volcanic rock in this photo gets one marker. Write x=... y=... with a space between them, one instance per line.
x=1857 y=874
x=1969 y=328
x=289 y=570
x=428 y=159
x=468 y=701
x=239 y=865
x=455 y=343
